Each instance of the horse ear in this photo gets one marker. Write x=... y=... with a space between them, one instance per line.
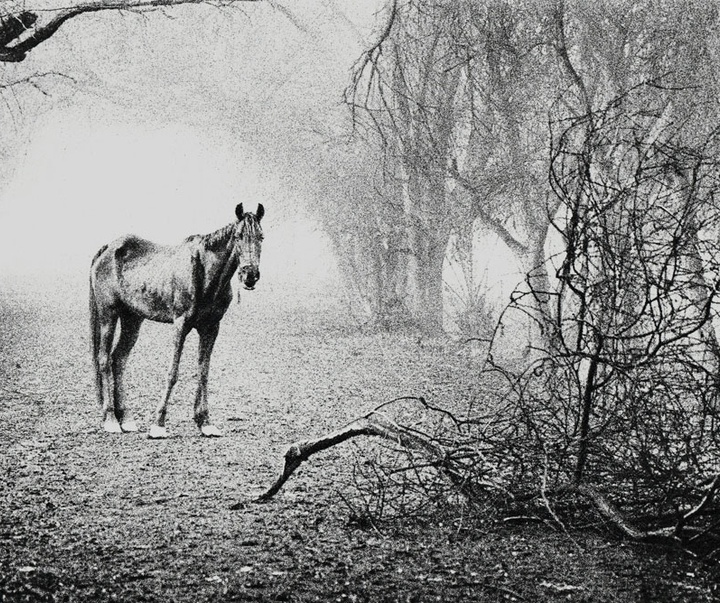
x=239 y=211
x=260 y=212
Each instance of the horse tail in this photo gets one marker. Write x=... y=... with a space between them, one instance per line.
x=94 y=328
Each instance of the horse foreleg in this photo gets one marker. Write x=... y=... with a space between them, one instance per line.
x=207 y=337
x=158 y=430
x=107 y=381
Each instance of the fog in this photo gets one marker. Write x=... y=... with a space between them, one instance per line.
x=157 y=129
x=164 y=182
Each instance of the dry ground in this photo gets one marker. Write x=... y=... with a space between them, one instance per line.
x=88 y=516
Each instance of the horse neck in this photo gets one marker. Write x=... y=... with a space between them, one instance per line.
x=220 y=243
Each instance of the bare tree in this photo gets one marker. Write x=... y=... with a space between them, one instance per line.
x=619 y=418
x=405 y=87
x=625 y=407
x=457 y=96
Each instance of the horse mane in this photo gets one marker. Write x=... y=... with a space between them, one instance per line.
x=214 y=239
x=219 y=238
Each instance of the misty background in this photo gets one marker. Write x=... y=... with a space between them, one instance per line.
x=159 y=123
x=567 y=152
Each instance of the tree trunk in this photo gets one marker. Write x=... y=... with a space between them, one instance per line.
x=426 y=237
x=541 y=319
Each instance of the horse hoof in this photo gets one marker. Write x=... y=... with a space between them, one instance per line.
x=112 y=426
x=210 y=431
x=157 y=433
x=129 y=426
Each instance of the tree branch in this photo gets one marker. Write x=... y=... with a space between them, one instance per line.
x=369 y=58
x=561 y=49
x=376 y=424
x=14 y=48
x=373 y=424
x=478 y=209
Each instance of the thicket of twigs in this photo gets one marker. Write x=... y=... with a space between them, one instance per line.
x=615 y=421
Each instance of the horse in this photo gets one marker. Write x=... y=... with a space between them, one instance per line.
x=186 y=285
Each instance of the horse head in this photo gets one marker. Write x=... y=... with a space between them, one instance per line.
x=248 y=239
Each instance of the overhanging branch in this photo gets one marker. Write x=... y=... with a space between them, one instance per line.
x=18 y=36
x=478 y=208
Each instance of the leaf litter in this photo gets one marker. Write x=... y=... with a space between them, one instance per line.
x=86 y=515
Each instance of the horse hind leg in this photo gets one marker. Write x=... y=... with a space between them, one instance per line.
x=129 y=331
x=106 y=334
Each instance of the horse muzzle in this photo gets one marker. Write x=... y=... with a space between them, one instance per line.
x=249 y=275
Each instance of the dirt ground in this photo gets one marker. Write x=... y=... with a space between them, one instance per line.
x=89 y=516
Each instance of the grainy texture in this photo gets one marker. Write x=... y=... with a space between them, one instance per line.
x=86 y=515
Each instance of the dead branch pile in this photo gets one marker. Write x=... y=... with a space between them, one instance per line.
x=478 y=459
x=616 y=419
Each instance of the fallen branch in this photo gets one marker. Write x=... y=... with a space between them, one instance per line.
x=377 y=425
x=673 y=533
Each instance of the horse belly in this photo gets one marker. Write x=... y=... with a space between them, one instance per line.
x=156 y=289
x=147 y=300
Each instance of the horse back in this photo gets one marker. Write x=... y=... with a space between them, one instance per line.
x=132 y=248
x=151 y=280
